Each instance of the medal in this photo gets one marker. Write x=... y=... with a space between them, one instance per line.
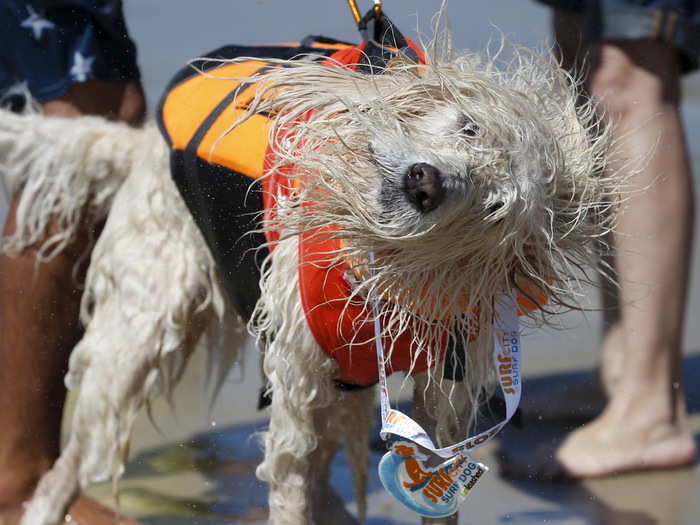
x=433 y=492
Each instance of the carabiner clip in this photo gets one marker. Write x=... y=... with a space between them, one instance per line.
x=377 y=9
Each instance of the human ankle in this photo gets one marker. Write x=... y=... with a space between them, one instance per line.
x=612 y=362
x=656 y=415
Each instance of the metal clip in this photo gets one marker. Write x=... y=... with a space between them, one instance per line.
x=377 y=9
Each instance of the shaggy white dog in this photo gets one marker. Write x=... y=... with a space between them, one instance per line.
x=515 y=197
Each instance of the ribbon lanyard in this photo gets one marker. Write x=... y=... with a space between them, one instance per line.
x=506 y=360
x=438 y=491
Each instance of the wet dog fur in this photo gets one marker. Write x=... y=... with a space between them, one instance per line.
x=466 y=177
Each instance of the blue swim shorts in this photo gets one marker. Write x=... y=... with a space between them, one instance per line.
x=46 y=45
x=673 y=21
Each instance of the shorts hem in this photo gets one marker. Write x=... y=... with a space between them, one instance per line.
x=56 y=90
x=636 y=23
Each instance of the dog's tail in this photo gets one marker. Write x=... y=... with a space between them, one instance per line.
x=60 y=172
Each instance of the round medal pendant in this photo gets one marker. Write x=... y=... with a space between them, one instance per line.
x=433 y=492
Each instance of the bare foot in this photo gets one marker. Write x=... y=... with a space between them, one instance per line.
x=83 y=511
x=614 y=443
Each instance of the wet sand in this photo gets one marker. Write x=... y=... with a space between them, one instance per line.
x=199 y=469
x=196 y=465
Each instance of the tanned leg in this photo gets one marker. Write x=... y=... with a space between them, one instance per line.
x=115 y=101
x=581 y=400
x=645 y=424
x=39 y=326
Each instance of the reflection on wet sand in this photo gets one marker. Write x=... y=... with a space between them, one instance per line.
x=209 y=478
x=636 y=498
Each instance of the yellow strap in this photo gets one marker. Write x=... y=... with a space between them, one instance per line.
x=356 y=11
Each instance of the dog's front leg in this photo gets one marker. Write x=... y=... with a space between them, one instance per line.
x=300 y=377
x=310 y=417
x=289 y=444
x=299 y=449
x=427 y=399
x=348 y=423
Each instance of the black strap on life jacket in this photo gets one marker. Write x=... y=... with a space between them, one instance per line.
x=384 y=42
x=226 y=208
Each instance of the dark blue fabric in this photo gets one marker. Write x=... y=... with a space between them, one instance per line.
x=690 y=8
x=674 y=21
x=46 y=45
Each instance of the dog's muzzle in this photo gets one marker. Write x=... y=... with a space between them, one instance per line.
x=423 y=187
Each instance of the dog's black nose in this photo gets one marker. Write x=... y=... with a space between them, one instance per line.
x=424 y=187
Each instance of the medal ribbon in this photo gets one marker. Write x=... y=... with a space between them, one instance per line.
x=506 y=360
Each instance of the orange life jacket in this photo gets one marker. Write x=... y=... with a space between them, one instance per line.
x=219 y=177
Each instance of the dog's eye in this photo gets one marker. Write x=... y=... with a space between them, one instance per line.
x=468 y=127
x=471 y=130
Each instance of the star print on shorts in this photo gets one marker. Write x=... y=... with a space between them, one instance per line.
x=36 y=23
x=48 y=45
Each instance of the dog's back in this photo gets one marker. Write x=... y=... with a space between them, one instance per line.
x=215 y=166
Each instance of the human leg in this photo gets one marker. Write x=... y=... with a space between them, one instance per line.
x=39 y=319
x=645 y=422
x=39 y=326
x=123 y=101
x=574 y=54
